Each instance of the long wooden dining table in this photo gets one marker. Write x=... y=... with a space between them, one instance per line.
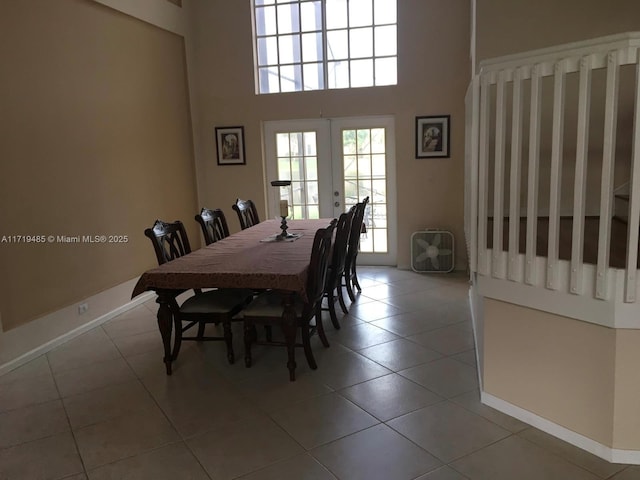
x=246 y=259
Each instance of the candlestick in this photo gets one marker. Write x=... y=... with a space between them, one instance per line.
x=284 y=208
x=283 y=226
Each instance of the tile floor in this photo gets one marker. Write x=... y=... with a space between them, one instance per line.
x=394 y=397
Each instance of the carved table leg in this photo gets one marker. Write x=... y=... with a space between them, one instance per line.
x=165 y=323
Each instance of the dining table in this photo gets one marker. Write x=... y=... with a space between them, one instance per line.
x=251 y=259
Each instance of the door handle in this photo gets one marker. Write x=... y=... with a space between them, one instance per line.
x=336 y=204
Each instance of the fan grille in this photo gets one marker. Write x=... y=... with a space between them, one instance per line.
x=432 y=251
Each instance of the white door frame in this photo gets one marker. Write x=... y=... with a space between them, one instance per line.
x=323 y=139
x=388 y=123
x=329 y=143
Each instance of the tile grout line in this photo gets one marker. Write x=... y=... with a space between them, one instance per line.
x=66 y=413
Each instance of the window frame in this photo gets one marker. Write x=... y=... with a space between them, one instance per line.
x=263 y=72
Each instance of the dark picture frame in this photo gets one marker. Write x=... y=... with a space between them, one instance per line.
x=432 y=136
x=230 y=145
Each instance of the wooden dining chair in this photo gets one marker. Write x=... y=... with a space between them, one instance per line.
x=170 y=241
x=213 y=224
x=336 y=268
x=247 y=213
x=292 y=312
x=350 y=274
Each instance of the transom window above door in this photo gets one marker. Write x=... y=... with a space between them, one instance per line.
x=324 y=44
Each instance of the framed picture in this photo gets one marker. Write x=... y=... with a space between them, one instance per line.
x=432 y=136
x=230 y=145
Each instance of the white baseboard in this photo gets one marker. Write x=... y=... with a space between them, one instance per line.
x=26 y=342
x=610 y=454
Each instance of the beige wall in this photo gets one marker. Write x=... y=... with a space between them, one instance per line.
x=626 y=420
x=556 y=367
x=508 y=26
x=434 y=71
x=95 y=138
x=581 y=376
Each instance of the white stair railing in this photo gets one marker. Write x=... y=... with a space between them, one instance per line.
x=506 y=107
x=634 y=198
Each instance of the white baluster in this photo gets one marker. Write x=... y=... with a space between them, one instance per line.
x=483 y=169
x=606 y=187
x=498 y=177
x=533 y=175
x=514 y=186
x=580 y=181
x=557 y=138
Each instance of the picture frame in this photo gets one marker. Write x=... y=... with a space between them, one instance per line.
x=433 y=136
x=230 y=145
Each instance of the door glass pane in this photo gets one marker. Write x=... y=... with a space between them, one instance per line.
x=350 y=166
x=297 y=161
x=377 y=140
x=296 y=169
x=312 y=194
x=350 y=193
x=313 y=211
x=365 y=175
x=310 y=143
x=298 y=193
x=282 y=144
x=378 y=165
x=349 y=142
x=364 y=166
x=311 y=164
x=379 y=191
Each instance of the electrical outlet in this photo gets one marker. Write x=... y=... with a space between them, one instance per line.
x=82 y=308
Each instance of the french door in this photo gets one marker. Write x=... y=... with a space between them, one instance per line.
x=333 y=164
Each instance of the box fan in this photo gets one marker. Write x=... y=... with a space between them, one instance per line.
x=432 y=251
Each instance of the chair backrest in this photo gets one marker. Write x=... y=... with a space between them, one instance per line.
x=317 y=272
x=341 y=242
x=169 y=240
x=356 y=230
x=247 y=213
x=214 y=225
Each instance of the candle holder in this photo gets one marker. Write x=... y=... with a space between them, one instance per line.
x=283 y=224
x=284 y=235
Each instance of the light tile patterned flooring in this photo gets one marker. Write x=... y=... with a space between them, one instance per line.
x=394 y=397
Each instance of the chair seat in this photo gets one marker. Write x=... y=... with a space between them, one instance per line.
x=216 y=301
x=269 y=304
